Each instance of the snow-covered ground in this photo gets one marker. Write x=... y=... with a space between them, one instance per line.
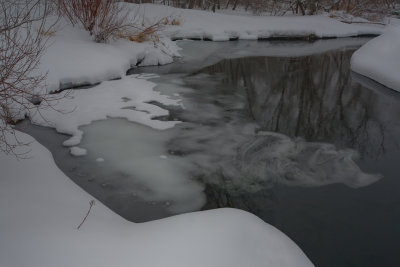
x=379 y=59
x=73 y=59
x=40 y=207
x=222 y=27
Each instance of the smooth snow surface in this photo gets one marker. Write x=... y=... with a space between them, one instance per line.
x=379 y=59
x=219 y=27
x=73 y=58
x=41 y=208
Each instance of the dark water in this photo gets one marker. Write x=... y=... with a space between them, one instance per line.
x=319 y=99
x=338 y=214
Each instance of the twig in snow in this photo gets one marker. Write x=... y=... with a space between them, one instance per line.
x=87 y=214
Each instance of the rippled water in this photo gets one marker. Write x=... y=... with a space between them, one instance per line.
x=292 y=136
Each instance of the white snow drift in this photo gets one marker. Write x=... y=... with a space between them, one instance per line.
x=220 y=27
x=379 y=59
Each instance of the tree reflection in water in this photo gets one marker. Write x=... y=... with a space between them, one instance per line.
x=311 y=97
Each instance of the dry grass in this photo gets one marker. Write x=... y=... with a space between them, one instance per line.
x=140 y=35
x=172 y=21
x=47 y=33
x=146 y=30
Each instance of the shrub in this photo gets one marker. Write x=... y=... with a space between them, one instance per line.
x=144 y=31
x=101 y=18
x=22 y=42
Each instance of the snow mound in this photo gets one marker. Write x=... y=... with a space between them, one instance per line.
x=74 y=59
x=41 y=209
x=379 y=59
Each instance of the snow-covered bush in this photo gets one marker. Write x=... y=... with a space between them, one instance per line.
x=105 y=19
x=101 y=18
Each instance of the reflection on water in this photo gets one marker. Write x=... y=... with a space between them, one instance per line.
x=295 y=140
x=312 y=97
x=316 y=98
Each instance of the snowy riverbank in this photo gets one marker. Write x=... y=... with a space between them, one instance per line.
x=221 y=27
x=41 y=208
x=73 y=58
x=379 y=59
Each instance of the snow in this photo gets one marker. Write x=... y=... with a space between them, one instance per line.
x=73 y=59
x=222 y=27
x=124 y=98
x=41 y=209
x=379 y=59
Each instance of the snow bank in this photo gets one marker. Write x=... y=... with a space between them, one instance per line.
x=73 y=58
x=41 y=208
x=220 y=27
x=379 y=59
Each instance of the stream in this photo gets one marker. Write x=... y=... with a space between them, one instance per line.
x=281 y=129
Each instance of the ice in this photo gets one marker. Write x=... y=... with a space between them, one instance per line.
x=276 y=157
x=77 y=151
x=242 y=160
x=125 y=98
x=231 y=156
x=135 y=150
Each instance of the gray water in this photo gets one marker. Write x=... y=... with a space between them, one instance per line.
x=283 y=130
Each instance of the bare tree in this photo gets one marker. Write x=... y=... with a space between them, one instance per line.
x=23 y=37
